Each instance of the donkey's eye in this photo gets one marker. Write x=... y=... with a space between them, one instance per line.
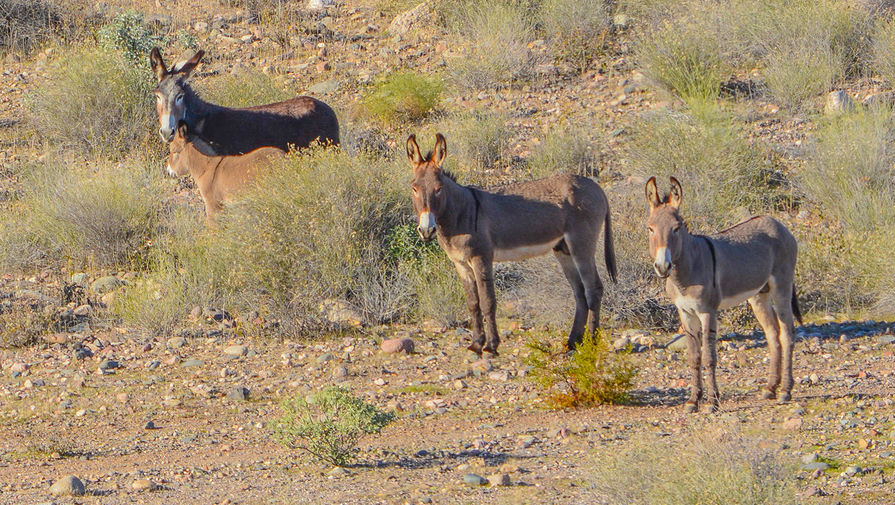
x=438 y=192
x=676 y=229
x=650 y=230
x=179 y=99
x=416 y=190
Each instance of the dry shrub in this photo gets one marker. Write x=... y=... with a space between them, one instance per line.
x=243 y=88
x=564 y=149
x=578 y=29
x=884 y=48
x=477 y=142
x=25 y=24
x=706 y=465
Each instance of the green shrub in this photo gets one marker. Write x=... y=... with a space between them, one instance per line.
x=851 y=179
x=96 y=102
x=128 y=34
x=884 y=49
x=101 y=218
x=476 y=142
x=595 y=374
x=242 y=89
x=564 y=149
x=578 y=29
x=403 y=96
x=705 y=465
x=328 y=424
x=497 y=53
x=685 y=59
x=725 y=177
x=800 y=73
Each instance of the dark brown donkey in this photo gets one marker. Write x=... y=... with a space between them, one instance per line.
x=297 y=122
x=219 y=178
x=563 y=214
x=754 y=260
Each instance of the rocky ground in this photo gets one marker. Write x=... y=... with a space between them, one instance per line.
x=167 y=419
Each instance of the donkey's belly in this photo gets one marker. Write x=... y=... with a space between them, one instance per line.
x=733 y=300
x=524 y=252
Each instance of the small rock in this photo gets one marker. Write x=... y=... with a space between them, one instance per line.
x=340 y=372
x=325 y=358
x=814 y=378
x=395 y=345
x=838 y=102
x=677 y=343
x=415 y=17
x=459 y=384
x=106 y=284
x=379 y=382
x=143 y=485
x=499 y=479
x=236 y=350
x=525 y=442
x=67 y=486
x=316 y=5
x=337 y=472
x=80 y=278
x=324 y=87
x=621 y=343
x=109 y=364
x=817 y=465
x=499 y=375
x=190 y=363
x=18 y=367
x=793 y=423
x=238 y=394
x=149 y=425
x=886 y=339
x=176 y=342
x=474 y=480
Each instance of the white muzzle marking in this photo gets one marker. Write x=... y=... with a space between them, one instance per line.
x=170 y=170
x=662 y=264
x=427 y=226
x=168 y=124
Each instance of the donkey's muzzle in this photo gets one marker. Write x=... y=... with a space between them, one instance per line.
x=427 y=226
x=662 y=264
x=166 y=134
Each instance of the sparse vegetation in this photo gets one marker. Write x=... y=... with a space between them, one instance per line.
x=884 y=48
x=328 y=424
x=563 y=149
x=96 y=102
x=243 y=88
x=476 y=143
x=26 y=23
x=403 y=96
x=721 y=466
x=579 y=29
x=593 y=375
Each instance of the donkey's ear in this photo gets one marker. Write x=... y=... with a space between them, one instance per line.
x=440 y=150
x=676 y=195
x=652 y=192
x=187 y=67
x=413 y=151
x=157 y=64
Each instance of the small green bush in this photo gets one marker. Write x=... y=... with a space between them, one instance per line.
x=403 y=96
x=595 y=374
x=128 y=34
x=101 y=218
x=497 y=53
x=98 y=103
x=705 y=465
x=725 y=177
x=328 y=424
x=578 y=29
x=564 y=149
x=242 y=89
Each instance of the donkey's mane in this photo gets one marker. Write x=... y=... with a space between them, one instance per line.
x=447 y=173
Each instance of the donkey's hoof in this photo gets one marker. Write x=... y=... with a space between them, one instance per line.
x=491 y=351
x=784 y=397
x=476 y=348
x=691 y=407
x=767 y=394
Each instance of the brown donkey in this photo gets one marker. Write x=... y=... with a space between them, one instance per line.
x=297 y=122
x=218 y=177
x=754 y=260
x=563 y=214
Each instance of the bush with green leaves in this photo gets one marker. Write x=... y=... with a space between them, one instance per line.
x=129 y=34
x=98 y=103
x=851 y=179
x=564 y=149
x=594 y=374
x=499 y=33
x=704 y=465
x=578 y=29
x=87 y=216
x=725 y=176
x=244 y=88
x=403 y=96
x=328 y=424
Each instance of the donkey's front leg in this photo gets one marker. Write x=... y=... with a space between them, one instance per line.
x=709 y=323
x=484 y=280
x=467 y=276
x=691 y=332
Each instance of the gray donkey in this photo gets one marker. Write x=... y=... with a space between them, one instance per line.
x=754 y=260
x=562 y=213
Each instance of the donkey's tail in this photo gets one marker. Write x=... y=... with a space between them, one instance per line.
x=609 y=248
x=795 y=305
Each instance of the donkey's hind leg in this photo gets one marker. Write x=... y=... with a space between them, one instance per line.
x=571 y=273
x=781 y=294
x=767 y=318
x=582 y=254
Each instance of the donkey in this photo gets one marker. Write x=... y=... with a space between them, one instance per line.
x=562 y=213
x=218 y=177
x=754 y=260
x=296 y=122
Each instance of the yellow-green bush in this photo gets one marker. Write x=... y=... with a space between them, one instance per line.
x=403 y=96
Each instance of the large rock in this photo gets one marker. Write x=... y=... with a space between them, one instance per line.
x=341 y=313
x=422 y=14
x=106 y=284
x=395 y=345
x=838 y=102
x=67 y=486
x=316 y=5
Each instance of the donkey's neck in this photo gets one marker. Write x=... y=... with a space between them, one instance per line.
x=199 y=111
x=687 y=268
x=199 y=164
x=459 y=216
